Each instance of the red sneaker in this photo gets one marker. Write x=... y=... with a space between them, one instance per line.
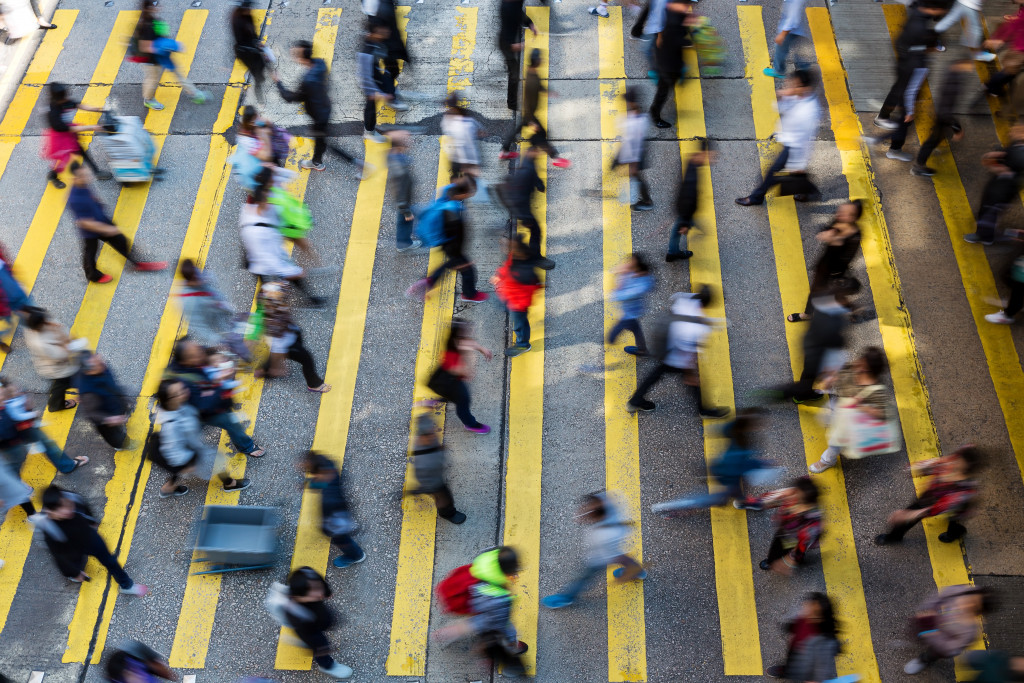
x=103 y=279
x=477 y=298
x=561 y=162
x=148 y=266
x=505 y=156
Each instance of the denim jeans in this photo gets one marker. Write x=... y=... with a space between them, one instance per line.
x=782 y=54
x=972 y=34
x=403 y=231
x=580 y=583
x=521 y=325
x=674 y=239
x=230 y=423
x=633 y=325
x=54 y=454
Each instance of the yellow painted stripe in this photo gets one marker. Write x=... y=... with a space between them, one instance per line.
x=526 y=409
x=627 y=640
x=385 y=114
x=407 y=653
x=23 y=103
x=838 y=549
x=734 y=580
x=311 y=545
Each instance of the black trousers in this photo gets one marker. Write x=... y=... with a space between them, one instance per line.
x=531 y=224
x=464 y=267
x=321 y=144
x=387 y=86
x=666 y=83
x=803 y=388
x=114 y=435
x=512 y=66
x=445 y=502
x=301 y=355
x=539 y=139
x=1016 y=301
x=256 y=64
x=58 y=389
x=904 y=71
x=93 y=544
x=935 y=138
x=771 y=178
x=954 y=531
x=655 y=375
x=454 y=389
x=91 y=247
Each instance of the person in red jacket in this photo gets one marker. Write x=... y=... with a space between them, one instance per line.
x=515 y=282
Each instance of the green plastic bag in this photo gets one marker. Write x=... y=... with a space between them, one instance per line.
x=296 y=218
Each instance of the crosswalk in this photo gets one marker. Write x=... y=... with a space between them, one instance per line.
x=631 y=632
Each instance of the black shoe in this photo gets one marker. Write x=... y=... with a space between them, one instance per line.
x=946 y=538
x=58 y=183
x=544 y=263
x=317 y=302
x=884 y=539
x=178 y=491
x=634 y=351
x=661 y=123
x=457 y=518
x=643 y=206
x=925 y=171
x=239 y=485
x=766 y=566
x=643 y=405
x=816 y=395
x=807 y=197
x=681 y=256
x=747 y=201
x=714 y=413
x=777 y=671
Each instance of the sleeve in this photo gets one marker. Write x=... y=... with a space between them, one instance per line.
x=366 y=79
x=807 y=536
x=953 y=502
x=792 y=15
x=56 y=121
x=288 y=95
x=910 y=95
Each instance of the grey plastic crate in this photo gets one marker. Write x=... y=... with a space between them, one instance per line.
x=238 y=535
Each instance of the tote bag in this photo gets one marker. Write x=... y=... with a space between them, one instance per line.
x=858 y=434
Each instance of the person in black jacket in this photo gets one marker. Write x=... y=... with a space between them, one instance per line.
x=669 y=53
x=841 y=238
x=384 y=15
x=912 y=47
x=248 y=48
x=429 y=461
x=59 y=118
x=945 y=118
x=520 y=193
x=1007 y=169
x=336 y=519
x=312 y=93
x=512 y=20
x=70 y=532
x=376 y=85
x=309 y=616
x=532 y=88
x=102 y=401
x=686 y=202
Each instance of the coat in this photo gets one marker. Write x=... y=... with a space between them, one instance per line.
x=50 y=356
x=815 y=660
x=181 y=436
x=516 y=283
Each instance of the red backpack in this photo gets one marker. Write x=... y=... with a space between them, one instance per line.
x=453 y=591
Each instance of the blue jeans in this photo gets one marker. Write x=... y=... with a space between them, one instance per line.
x=403 y=231
x=350 y=550
x=782 y=53
x=698 y=501
x=580 y=583
x=54 y=454
x=521 y=326
x=633 y=325
x=230 y=423
x=674 y=239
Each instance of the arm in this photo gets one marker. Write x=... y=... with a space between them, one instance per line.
x=366 y=79
x=910 y=95
x=286 y=94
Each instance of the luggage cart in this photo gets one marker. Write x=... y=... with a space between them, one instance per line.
x=236 y=538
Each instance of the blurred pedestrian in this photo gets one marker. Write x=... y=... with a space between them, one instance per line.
x=69 y=528
x=633 y=282
x=53 y=357
x=21 y=427
x=1006 y=167
x=669 y=66
x=1015 y=279
x=382 y=13
x=512 y=19
x=607 y=535
x=524 y=182
x=461 y=133
x=62 y=143
x=284 y=337
x=1008 y=37
x=792 y=29
x=995 y=666
x=813 y=642
x=798 y=524
x=211 y=320
x=948 y=622
x=178 y=447
x=150 y=45
x=95 y=226
x=13 y=491
x=249 y=49
x=309 y=616
x=450 y=380
x=968 y=14
x=632 y=151
x=841 y=239
x=532 y=89
x=429 y=464
x=953 y=84
x=799 y=115
x=135 y=662
x=913 y=45
x=102 y=401
x=687 y=202
x=950 y=491
x=336 y=517
x=377 y=87
x=18 y=301
x=515 y=283
x=400 y=182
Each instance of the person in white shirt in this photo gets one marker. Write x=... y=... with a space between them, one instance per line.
x=633 y=147
x=968 y=11
x=799 y=116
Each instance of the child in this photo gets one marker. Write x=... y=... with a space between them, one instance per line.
x=515 y=282
x=797 y=524
x=221 y=371
x=633 y=283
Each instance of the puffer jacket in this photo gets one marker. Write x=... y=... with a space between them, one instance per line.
x=50 y=355
x=516 y=283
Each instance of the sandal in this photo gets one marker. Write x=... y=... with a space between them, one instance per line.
x=797 y=318
x=70 y=403
x=80 y=461
x=257 y=453
x=322 y=389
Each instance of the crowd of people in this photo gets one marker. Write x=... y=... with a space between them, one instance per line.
x=200 y=382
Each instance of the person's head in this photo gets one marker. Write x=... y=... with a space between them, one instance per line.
x=264 y=183
x=807 y=490
x=58 y=92
x=704 y=154
x=400 y=140
x=306 y=582
x=56 y=505
x=80 y=174
x=148 y=7
x=817 y=608
x=632 y=98
x=638 y=264
x=800 y=82
x=592 y=508
x=453 y=102
x=188 y=353
x=508 y=561
x=535 y=58
x=37 y=319
x=249 y=118
x=172 y=394
x=967 y=459
x=849 y=212
x=189 y=271
x=462 y=189
x=274 y=294
x=317 y=465
x=302 y=52
x=95 y=365
x=871 y=362
x=461 y=329
x=704 y=295
x=983 y=601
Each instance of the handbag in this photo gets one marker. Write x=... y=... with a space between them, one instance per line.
x=795 y=183
x=868 y=435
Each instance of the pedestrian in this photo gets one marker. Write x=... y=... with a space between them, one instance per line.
x=607 y=535
x=249 y=49
x=519 y=196
x=950 y=491
x=948 y=622
x=799 y=114
x=269 y=144
x=312 y=93
x=917 y=39
x=95 y=226
x=69 y=528
x=211 y=320
x=995 y=666
x=461 y=135
x=263 y=241
x=400 y=180
x=382 y=12
x=429 y=463
x=1009 y=38
x=149 y=46
x=813 y=642
x=18 y=301
x=685 y=333
x=798 y=525
x=62 y=141
x=336 y=517
x=178 y=448
x=945 y=112
x=670 y=68
x=135 y=662
x=824 y=340
x=454 y=229
x=284 y=337
x=967 y=13
x=515 y=283
x=651 y=21
x=377 y=87
x=309 y=616
x=207 y=396
x=102 y=401
x=54 y=357
x=792 y=29
x=687 y=202
x=632 y=151
x=1006 y=168
x=512 y=19
x=633 y=282
x=13 y=491
x=1015 y=279
x=532 y=88
x=450 y=380
x=20 y=424
x=841 y=239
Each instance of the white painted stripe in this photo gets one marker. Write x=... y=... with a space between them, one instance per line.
x=191 y=678
x=36 y=677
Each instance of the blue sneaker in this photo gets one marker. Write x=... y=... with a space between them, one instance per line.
x=341 y=562
x=622 y=570
x=773 y=73
x=556 y=601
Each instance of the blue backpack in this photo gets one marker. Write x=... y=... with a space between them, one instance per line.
x=430 y=218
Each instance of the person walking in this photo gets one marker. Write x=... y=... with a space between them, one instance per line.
x=102 y=401
x=461 y=134
x=948 y=622
x=792 y=29
x=525 y=180
x=450 y=380
x=813 y=642
x=429 y=462
x=1007 y=170
x=799 y=115
x=515 y=283
x=211 y=320
x=953 y=84
x=670 y=68
x=995 y=666
x=69 y=528
x=633 y=282
x=841 y=238
x=178 y=447
x=687 y=202
x=135 y=662
x=382 y=13
x=914 y=43
x=146 y=44
x=249 y=48
x=607 y=535
x=400 y=182
x=62 y=142
x=336 y=517
x=13 y=491
x=532 y=89
x=685 y=333
x=312 y=93
x=18 y=301
x=53 y=357
x=95 y=226
x=309 y=616
x=967 y=13
x=284 y=337
x=512 y=19
x=21 y=427
x=377 y=87
x=798 y=524
x=633 y=148
x=1008 y=37
x=951 y=491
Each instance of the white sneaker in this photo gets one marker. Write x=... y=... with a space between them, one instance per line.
x=984 y=56
x=914 y=666
x=398 y=105
x=819 y=467
x=999 y=318
x=899 y=155
x=308 y=164
x=373 y=136
x=2 y=564
x=137 y=589
x=597 y=11
x=338 y=670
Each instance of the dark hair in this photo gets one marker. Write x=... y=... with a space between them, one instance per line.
x=163 y=392
x=874 y=358
x=508 y=560
x=463 y=185
x=971 y=457
x=457 y=332
x=641 y=262
x=704 y=295
x=989 y=602
x=805 y=77
x=301 y=581
x=189 y=271
x=596 y=504
x=178 y=353
x=317 y=462
x=743 y=427
x=53 y=496
x=147 y=5
x=807 y=488
x=452 y=101
x=37 y=317
x=858 y=206
x=264 y=183
x=74 y=166
x=249 y=115
x=306 y=47
x=631 y=95
x=58 y=92
x=535 y=58
x=827 y=627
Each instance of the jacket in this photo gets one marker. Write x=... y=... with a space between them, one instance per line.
x=945 y=105
x=367 y=62
x=205 y=394
x=798 y=124
x=685 y=336
x=16 y=297
x=952 y=629
x=181 y=436
x=605 y=538
x=512 y=19
x=208 y=315
x=631 y=294
x=50 y=355
x=814 y=660
x=400 y=179
x=687 y=196
x=516 y=283
x=100 y=396
x=490 y=601
x=69 y=537
x=1012 y=31
x=521 y=187
x=334 y=510
x=461 y=134
x=312 y=92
